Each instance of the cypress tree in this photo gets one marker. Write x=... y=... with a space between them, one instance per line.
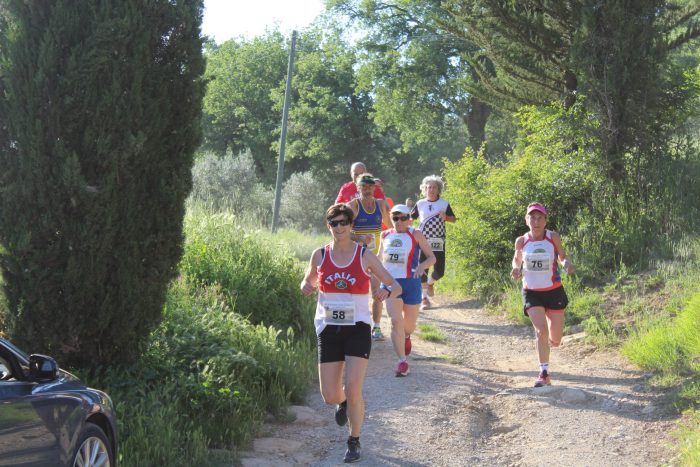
x=100 y=104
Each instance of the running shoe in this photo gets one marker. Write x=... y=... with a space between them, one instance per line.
x=425 y=303
x=353 y=452
x=402 y=368
x=341 y=413
x=377 y=333
x=543 y=379
x=407 y=345
x=430 y=289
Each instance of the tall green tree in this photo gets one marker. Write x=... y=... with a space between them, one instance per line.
x=328 y=121
x=633 y=85
x=329 y=124
x=239 y=107
x=523 y=53
x=615 y=52
x=416 y=70
x=101 y=106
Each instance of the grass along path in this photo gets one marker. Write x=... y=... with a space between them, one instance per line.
x=470 y=401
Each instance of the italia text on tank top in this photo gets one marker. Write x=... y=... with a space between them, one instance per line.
x=343 y=291
x=540 y=266
x=430 y=223
x=400 y=253
x=369 y=223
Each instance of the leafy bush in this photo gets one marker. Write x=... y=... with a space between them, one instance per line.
x=552 y=164
x=604 y=225
x=209 y=376
x=234 y=370
x=302 y=208
x=229 y=183
x=206 y=380
x=257 y=280
x=152 y=429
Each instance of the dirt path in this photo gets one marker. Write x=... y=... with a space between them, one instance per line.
x=471 y=402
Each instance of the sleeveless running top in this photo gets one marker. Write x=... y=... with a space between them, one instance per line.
x=343 y=292
x=369 y=223
x=430 y=223
x=400 y=253
x=540 y=266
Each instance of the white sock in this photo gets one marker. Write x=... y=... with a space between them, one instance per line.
x=423 y=293
x=544 y=367
x=431 y=280
x=403 y=359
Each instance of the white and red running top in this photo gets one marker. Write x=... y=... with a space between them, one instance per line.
x=540 y=266
x=400 y=253
x=343 y=291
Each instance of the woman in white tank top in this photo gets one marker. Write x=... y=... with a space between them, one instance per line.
x=538 y=255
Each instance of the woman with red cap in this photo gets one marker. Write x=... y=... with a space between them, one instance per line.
x=537 y=257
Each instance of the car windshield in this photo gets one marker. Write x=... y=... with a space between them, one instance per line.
x=14 y=349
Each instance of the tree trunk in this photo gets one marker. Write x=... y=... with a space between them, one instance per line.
x=476 y=120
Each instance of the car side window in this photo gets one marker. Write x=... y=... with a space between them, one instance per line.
x=5 y=370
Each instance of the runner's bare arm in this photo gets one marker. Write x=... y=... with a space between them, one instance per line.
x=386 y=217
x=308 y=285
x=445 y=217
x=517 y=264
x=373 y=264
x=353 y=205
x=565 y=262
x=427 y=251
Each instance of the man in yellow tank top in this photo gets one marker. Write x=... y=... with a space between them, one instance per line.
x=367 y=227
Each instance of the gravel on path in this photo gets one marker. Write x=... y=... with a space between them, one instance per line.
x=470 y=401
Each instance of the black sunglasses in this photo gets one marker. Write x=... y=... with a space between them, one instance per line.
x=342 y=222
x=400 y=218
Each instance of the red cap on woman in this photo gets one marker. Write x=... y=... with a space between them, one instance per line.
x=536 y=207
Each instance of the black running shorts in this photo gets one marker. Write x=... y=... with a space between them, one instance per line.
x=438 y=268
x=551 y=300
x=335 y=342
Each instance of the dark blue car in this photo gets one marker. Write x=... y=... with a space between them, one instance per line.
x=49 y=418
